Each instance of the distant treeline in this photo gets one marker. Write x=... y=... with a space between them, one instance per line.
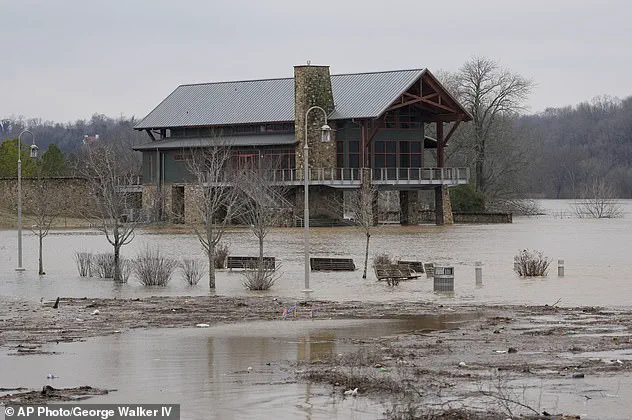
x=69 y=137
x=570 y=147
x=565 y=149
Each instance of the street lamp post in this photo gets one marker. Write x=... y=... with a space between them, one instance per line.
x=325 y=137
x=33 y=155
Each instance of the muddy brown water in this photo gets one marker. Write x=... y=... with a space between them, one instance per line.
x=235 y=371
x=598 y=265
x=170 y=365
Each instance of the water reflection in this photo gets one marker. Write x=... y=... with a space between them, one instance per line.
x=595 y=252
x=224 y=372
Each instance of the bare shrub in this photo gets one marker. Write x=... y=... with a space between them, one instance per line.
x=125 y=269
x=598 y=202
x=152 y=268
x=84 y=261
x=104 y=265
x=531 y=263
x=258 y=277
x=382 y=259
x=192 y=270
x=518 y=206
x=221 y=253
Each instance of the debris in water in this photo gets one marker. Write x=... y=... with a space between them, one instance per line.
x=202 y=325
x=352 y=392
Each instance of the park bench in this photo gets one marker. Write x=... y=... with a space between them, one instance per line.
x=249 y=263
x=332 y=264
x=393 y=273
x=416 y=266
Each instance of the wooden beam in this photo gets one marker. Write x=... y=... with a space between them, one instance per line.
x=151 y=134
x=403 y=104
x=447 y=108
x=453 y=129
x=375 y=127
x=440 y=145
x=437 y=88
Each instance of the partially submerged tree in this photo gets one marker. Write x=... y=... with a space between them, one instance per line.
x=47 y=205
x=492 y=95
x=598 y=201
x=215 y=198
x=361 y=207
x=109 y=177
x=264 y=203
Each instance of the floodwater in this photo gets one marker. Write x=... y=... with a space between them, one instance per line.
x=224 y=372
x=206 y=370
x=598 y=267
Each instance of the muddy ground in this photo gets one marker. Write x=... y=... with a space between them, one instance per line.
x=471 y=366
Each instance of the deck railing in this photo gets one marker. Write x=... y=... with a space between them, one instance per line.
x=379 y=176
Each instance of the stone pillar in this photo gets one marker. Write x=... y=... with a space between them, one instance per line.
x=403 y=207
x=375 y=210
x=408 y=207
x=312 y=87
x=443 y=206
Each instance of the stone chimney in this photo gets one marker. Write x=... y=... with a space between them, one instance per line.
x=312 y=86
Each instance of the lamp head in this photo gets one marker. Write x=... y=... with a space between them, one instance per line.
x=325 y=133
x=34 y=151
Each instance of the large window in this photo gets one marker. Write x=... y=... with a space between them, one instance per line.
x=354 y=154
x=280 y=158
x=403 y=118
x=385 y=154
x=410 y=154
x=340 y=154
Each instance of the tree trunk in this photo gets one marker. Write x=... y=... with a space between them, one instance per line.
x=41 y=262
x=117 y=270
x=211 y=267
x=366 y=254
x=261 y=251
x=480 y=182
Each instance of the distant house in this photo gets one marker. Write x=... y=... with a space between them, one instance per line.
x=90 y=139
x=379 y=123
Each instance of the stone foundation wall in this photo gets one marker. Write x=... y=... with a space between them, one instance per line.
x=74 y=193
x=324 y=203
x=483 y=218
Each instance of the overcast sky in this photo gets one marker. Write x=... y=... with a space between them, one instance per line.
x=67 y=59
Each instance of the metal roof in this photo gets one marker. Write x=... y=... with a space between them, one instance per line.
x=367 y=95
x=233 y=141
x=358 y=95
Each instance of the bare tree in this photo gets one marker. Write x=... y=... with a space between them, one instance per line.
x=489 y=93
x=46 y=207
x=264 y=199
x=598 y=201
x=215 y=198
x=109 y=178
x=360 y=205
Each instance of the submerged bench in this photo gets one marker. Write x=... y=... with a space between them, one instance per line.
x=249 y=263
x=393 y=273
x=416 y=266
x=331 y=264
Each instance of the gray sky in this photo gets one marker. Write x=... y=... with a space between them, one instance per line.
x=66 y=59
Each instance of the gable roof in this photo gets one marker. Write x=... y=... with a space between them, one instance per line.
x=356 y=95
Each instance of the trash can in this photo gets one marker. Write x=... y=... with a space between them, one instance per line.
x=443 y=279
x=429 y=269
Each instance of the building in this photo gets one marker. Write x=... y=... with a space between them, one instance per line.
x=379 y=122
